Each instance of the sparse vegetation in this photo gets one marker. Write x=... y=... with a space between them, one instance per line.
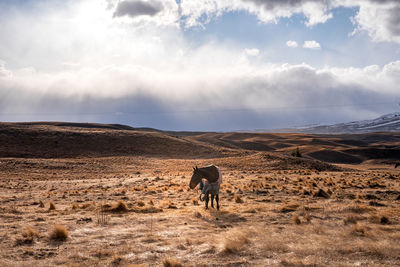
x=272 y=212
x=120 y=206
x=172 y=262
x=238 y=199
x=235 y=241
x=52 y=206
x=59 y=233
x=296 y=153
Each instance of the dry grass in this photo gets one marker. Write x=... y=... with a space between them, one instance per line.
x=29 y=234
x=235 y=241
x=172 y=262
x=52 y=206
x=296 y=219
x=120 y=206
x=238 y=199
x=59 y=233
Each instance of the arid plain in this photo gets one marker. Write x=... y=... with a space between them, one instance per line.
x=108 y=195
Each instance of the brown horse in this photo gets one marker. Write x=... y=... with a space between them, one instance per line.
x=213 y=178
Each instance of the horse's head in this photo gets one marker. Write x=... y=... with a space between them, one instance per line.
x=196 y=178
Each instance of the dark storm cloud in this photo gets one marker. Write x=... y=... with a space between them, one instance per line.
x=138 y=8
x=394 y=20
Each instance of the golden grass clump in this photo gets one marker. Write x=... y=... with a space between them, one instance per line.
x=296 y=219
x=120 y=206
x=59 y=233
x=235 y=241
x=238 y=199
x=172 y=262
x=52 y=206
x=195 y=201
x=74 y=206
x=28 y=236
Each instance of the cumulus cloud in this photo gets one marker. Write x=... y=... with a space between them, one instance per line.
x=381 y=19
x=311 y=45
x=199 y=12
x=252 y=52
x=161 y=12
x=137 y=8
x=112 y=71
x=292 y=44
x=248 y=95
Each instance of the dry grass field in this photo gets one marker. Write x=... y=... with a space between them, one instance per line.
x=93 y=196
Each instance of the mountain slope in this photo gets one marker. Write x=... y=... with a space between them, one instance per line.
x=386 y=123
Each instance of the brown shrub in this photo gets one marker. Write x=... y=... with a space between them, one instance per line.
x=384 y=220
x=75 y=206
x=59 y=233
x=171 y=262
x=41 y=204
x=140 y=203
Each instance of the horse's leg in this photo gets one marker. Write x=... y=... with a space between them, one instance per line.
x=217 y=200
x=212 y=200
x=207 y=199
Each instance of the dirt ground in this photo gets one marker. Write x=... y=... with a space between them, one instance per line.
x=139 y=211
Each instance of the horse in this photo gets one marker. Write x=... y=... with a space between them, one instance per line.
x=213 y=177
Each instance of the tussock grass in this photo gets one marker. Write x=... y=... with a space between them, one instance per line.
x=29 y=234
x=120 y=206
x=238 y=199
x=235 y=241
x=52 y=206
x=59 y=233
x=296 y=219
x=171 y=262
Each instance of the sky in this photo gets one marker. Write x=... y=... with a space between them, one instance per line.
x=208 y=65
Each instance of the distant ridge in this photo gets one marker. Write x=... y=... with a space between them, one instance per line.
x=76 y=125
x=386 y=123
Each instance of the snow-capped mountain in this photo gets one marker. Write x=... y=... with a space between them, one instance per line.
x=386 y=123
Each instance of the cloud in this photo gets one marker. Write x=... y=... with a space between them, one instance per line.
x=380 y=19
x=252 y=52
x=292 y=44
x=3 y=71
x=121 y=70
x=200 y=12
x=137 y=8
x=311 y=45
x=202 y=95
x=161 y=12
